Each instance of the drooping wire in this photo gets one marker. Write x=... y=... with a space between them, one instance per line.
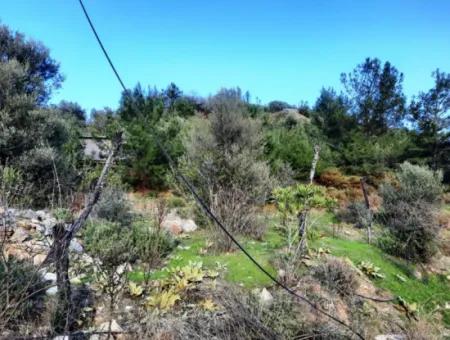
x=205 y=206
x=101 y=46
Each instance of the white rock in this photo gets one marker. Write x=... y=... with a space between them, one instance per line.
x=105 y=327
x=265 y=298
x=50 y=277
x=188 y=226
x=389 y=337
x=176 y=225
x=47 y=226
x=52 y=290
x=28 y=214
x=76 y=246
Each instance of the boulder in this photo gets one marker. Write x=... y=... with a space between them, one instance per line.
x=20 y=235
x=76 y=246
x=188 y=226
x=177 y=225
x=50 y=277
x=19 y=253
x=27 y=214
x=39 y=259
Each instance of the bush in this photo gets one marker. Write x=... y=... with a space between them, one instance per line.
x=113 y=206
x=151 y=245
x=358 y=214
x=409 y=213
x=337 y=276
x=22 y=293
x=233 y=210
x=223 y=161
x=110 y=242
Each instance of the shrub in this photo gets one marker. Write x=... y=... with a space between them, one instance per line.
x=22 y=293
x=418 y=183
x=333 y=177
x=151 y=245
x=176 y=202
x=358 y=214
x=337 y=276
x=113 y=206
x=223 y=161
x=409 y=212
x=232 y=208
x=109 y=242
x=111 y=245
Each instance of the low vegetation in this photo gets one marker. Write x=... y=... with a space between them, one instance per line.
x=78 y=255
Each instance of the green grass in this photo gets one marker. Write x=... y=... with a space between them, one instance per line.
x=427 y=292
x=238 y=268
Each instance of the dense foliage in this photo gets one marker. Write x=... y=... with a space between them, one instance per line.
x=409 y=210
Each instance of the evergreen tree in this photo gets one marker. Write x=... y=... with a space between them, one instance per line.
x=376 y=97
x=430 y=112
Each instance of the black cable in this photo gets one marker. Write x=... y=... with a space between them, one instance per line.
x=102 y=47
x=205 y=207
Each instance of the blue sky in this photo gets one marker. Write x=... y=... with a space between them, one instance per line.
x=284 y=50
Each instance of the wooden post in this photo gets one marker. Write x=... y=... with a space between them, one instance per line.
x=366 y=199
x=59 y=253
x=62 y=319
x=303 y=216
x=314 y=163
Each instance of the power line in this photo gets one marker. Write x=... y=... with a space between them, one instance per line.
x=205 y=207
x=102 y=47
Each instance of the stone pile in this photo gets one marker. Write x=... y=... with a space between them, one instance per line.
x=27 y=234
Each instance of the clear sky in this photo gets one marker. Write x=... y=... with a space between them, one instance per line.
x=277 y=49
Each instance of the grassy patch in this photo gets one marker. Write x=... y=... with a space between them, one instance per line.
x=428 y=292
x=237 y=267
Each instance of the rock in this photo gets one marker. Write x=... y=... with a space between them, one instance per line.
x=50 y=277
x=177 y=225
x=265 y=298
x=105 y=327
x=76 y=246
x=389 y=337
x=47 y=226
x=39 y=259
x=188 y=226
x=19 y=253
x=20 y=235
x=27 y=214
x=76 y=280
x=26 y=224
x=52 y=291
x=417 y=274
x=173 y=227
